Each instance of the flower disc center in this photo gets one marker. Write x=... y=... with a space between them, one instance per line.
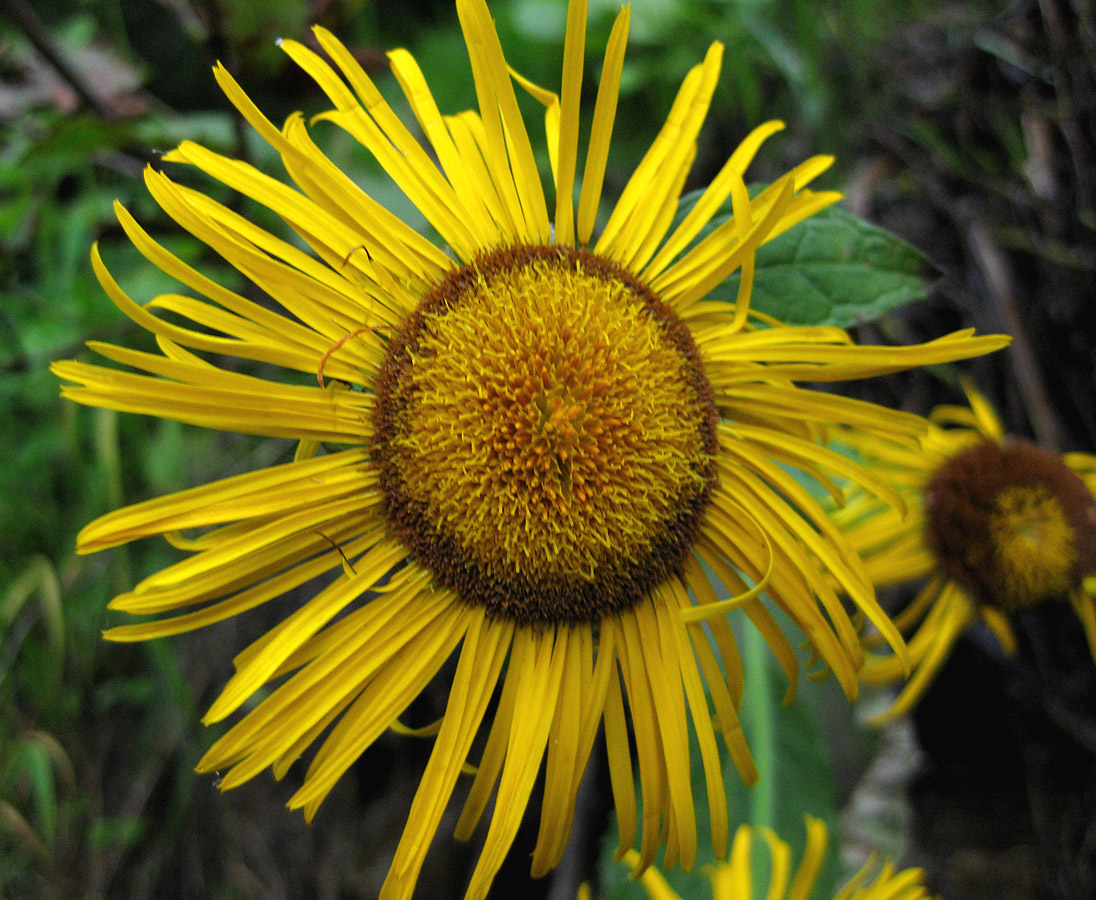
x=545 y=434
x=1012 y=523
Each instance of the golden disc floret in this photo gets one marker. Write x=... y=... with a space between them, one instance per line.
x=1011 y=522
x=545 y=435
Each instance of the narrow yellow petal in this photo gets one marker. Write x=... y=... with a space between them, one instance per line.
x=618 y=750
x=724 y=681
x=238 y=403
x=501 y=199
x=380 y=131
x=494 y=751
x=657 y=632
x=414 y=86
x=658 y=173
x=485 y=646
x=811 y=862
x=538 y=689
x=702 y=721
x=405 y=674
x=557 y=805
x=657 y=226
x=602 y=130
x=274 y=490
x=363 y=643
x=210 y=575
x=988 y=422
x=238 y=603
x=792 y=450
x=779 y=864
x=574 y=52
x=1085 y=605
x=502 y=119
x=653 y=881
x=957 y=616
x=998 y=623
x=838 y=363
x=331 y=187
x=720 y=253
x=712 y=198
x=255 y=332
x=649 y=750
x=295 y=629
x=550 y=102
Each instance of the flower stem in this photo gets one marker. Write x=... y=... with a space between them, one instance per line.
x=759 y=716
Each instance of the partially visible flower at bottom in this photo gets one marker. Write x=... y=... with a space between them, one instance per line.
x=734 y=880
x=995 y=523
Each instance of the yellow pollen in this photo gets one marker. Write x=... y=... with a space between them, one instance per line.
x=545 y=434
x=1034 y=545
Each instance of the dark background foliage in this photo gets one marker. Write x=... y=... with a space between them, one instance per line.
x=966 y=126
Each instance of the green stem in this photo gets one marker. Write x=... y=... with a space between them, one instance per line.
x=760 y=718
x=109 y=457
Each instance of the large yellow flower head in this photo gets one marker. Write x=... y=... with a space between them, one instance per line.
x=737 y=878
x=995 y=523
x=530 y=449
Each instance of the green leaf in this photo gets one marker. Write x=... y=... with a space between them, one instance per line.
x=31 y=767
x=831 y=269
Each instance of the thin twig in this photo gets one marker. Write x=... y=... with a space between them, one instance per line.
x=1000 y=280
x=25 y=18
x=1063 y=53
x=221 y=49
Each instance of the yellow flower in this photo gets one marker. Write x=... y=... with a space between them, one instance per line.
x=996 y=524
x=734 y=880
x=550 y=442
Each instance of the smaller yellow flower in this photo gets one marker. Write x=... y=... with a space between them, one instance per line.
x=733 y=880
x=995 y=523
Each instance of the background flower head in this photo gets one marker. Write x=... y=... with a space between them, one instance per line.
x=996 y=524
x=738 y=877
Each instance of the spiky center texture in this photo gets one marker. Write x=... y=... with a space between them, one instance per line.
x=1012 y=523
x=545 y=435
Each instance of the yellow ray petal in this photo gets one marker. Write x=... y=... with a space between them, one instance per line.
x=294 y=630
x=330 y=182
x=958 y=614
x=267 y=491
x=720 y=253
x=506 y=134
x=501 y=200
x=379 y=632
x=454 y=163
x=601 y=132
x=237 y=403
x=648 y=735
x=539 y=685
x=701 y=718
x=550 y=102
x=405 y=674
x=712 y=199
x=378 y=129
x=486 y=643
x=238 y=603
x=618 y=750
x=659 y=170
x=574 y=51
x=811 y=861
x=494 y=751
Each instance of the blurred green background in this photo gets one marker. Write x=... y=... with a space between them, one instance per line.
x=965 y=126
